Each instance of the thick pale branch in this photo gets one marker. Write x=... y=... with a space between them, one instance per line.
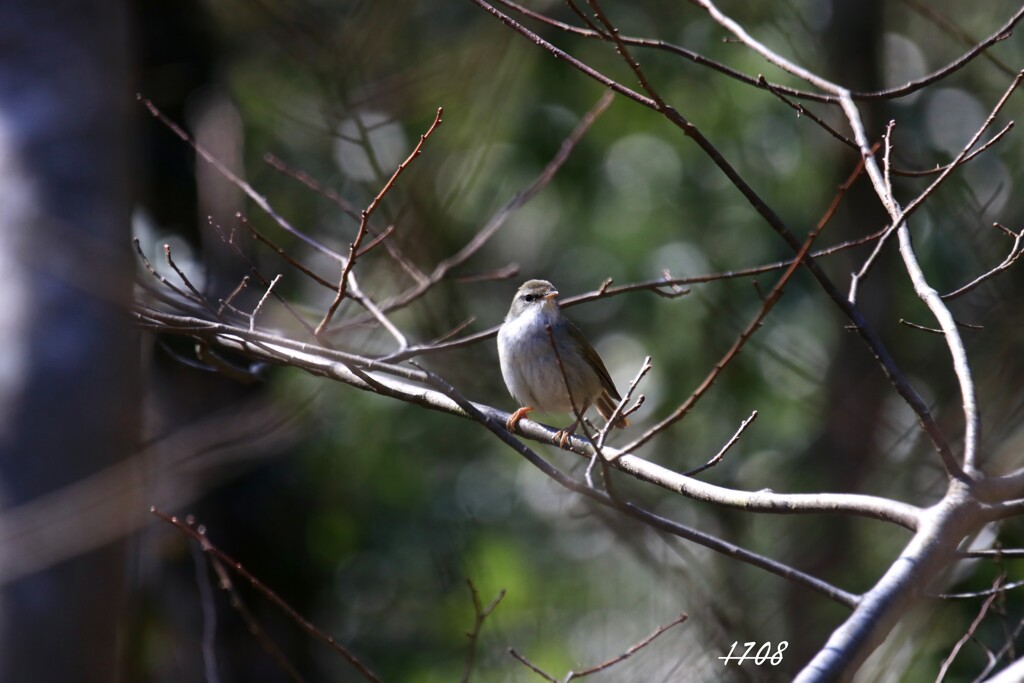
x=494 y=420
x=926 y=556
x=340 y=365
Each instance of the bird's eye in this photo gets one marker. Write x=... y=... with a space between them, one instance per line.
x=529 y=298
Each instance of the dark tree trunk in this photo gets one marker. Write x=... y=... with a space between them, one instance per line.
x=68 y=400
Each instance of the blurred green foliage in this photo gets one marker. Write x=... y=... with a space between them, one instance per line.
x=378 y=518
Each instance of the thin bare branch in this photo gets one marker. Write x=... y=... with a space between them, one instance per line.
x=344 y=280
x=257 y=198
x=1015 y=253
x=332 y=196
x=181 y=274
x=259 y=306
x=533 y=667
x=733 y=351
x=632 y=650
x=204 y=542
x=948 y=661
x=188 y=296
x=975 y=50
x=725 y=449
x=480 y=614
x=603 y=666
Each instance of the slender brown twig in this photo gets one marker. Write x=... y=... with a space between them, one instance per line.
x=665 y=286
x=603 y=666
x=767 y=304
x=1015 y=253
x=948 y=661
x=480 y=614
x=306 y=625
x=353 y=247
x=332 y=196
x=717 y=458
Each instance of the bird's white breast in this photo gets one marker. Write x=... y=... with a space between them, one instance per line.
x=529 y=365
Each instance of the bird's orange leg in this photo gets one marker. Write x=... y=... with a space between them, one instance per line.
x=513 y=420
x=562 y=435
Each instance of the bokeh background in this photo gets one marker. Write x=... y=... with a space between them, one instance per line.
x=368 y=515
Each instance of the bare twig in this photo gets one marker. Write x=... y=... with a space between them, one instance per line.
x=1015 y=253
x=353 y=248
x=884 y=189
x=533 y=667
x=188 y=296
x=480 y=614
x=632 y=650
x=725 y=449
x=501 y=217
x=257 y=198
x=181 y=274
x=954 y=30
x=976 y=153
x=259 y=306
x=932 y=330
x=620 y=411
x=258 y=275
x=970 y=629
x=621 y=408
x=261 y=201
x=238 y=604
x=996 y=589
x=227 y=302
x=393 y=250
x=996 y=553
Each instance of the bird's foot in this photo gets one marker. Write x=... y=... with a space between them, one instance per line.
x=513 y=420
x=562 y=435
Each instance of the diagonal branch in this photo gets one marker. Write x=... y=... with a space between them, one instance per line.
x=885 y=360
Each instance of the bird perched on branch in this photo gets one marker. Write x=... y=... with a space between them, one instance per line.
x=543 y=353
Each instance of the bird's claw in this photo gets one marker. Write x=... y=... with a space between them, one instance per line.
x=513 y=420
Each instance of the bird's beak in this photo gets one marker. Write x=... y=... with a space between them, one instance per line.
x=551 y=295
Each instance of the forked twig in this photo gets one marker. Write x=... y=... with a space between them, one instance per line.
x=480 y=614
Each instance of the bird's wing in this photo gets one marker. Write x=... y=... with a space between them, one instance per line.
x=592 y=358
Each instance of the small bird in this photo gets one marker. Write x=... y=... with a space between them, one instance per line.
x=531 y=368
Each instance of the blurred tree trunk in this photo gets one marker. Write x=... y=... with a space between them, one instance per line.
x=68 y=399
x=846 y=449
